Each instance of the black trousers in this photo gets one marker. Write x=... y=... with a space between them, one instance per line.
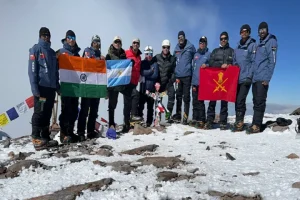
x=183 y=92
x=171 y=97
x=88 y=108
x=113 y=101
x=211 y=113
x=198 y=106
x=259 y=92
x=69 y=113
x=42 y=111
x=150 y=110
x=135 y=102
x=240 y=104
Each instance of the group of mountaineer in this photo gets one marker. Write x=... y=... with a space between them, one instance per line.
x=177 y=73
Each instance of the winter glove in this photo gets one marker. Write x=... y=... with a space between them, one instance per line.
x=248 y=81
x=194 y=89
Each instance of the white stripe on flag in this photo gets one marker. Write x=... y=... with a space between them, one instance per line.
x=117 y=73
x=93 y=78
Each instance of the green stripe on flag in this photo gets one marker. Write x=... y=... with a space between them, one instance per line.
x=83 y=90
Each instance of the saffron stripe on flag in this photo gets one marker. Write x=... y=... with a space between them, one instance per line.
x=30 y=102
x=81 y=64
x=117 y=64
x=12 y=114
x=83 y=90
x=70 y=76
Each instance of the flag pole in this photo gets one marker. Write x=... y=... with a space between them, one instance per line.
x=55 y=127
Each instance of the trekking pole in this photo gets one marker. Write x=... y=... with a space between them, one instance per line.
x=55 y=126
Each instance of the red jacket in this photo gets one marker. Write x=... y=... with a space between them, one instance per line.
x=136 y=68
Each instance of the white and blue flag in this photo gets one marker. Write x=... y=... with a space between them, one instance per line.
x=118 y=72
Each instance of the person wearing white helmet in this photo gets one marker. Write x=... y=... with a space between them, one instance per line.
x=89 y=106
x=166 y=68
x=149 y=72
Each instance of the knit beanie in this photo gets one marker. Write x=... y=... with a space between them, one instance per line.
x=263 y=25
x=44 y=31
x=181 y=33
x=224 y=33
x=247 y=27
x=70 y=33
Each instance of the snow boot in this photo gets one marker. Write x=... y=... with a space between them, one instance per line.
x=208 y=125
x=45 y=135
x=81 y=136
x=176 y=118
x=238 y=126
x=126 y=127
x=193 y=123
x=135 y=118
x=199 y=125
x=93 y=134
x=253 y=129
x=223 y=126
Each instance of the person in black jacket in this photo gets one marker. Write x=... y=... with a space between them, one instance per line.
x=166 y=77
x=220 y=57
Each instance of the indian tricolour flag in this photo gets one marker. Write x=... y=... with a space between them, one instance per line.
x=82 y=77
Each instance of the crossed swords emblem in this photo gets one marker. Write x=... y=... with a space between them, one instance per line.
x=220 y=83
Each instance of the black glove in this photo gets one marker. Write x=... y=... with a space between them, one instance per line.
x=132 y=62
x=248 y=81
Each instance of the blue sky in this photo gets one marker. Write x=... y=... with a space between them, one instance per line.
x=151 y=21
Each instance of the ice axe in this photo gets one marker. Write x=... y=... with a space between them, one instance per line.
x=55 y=127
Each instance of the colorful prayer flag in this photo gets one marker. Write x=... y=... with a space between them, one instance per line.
x=218 y=84
x=118 y=72
x=82 y=77
x=30 y=102
x=3 y=120
x=104 y=120
x=22 y=108
x=12 y=114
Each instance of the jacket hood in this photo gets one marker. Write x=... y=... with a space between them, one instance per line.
x=74 y=49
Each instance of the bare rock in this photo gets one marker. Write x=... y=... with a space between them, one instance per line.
x=140 y=130
x=72 y=192
x=104 y=152
x=232 y=196
x=201 y=142
x=166 y=175
x=122 y=166
x=296 y=185
x=251 y=174
x=192 y=171
x=98 y=162
x=207 y=148
x=229 y=157
x=6 y=143
x=22 y=156
x=3 y=170
x=11 y=155
x=161 y=162
x=140 y=150
x=293 y=156
x=188 y=132
x=75 y=160
x=158 y=185
x=161 y=128
x=61 y=155
x=108 y=147
x=296 y=112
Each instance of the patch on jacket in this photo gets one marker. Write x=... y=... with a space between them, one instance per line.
x=87 y=54
x=274 y=48
x=32 y=57
x=42 y=56
x=196 y=57
x=177 y=52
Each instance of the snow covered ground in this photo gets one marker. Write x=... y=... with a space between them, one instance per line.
x=264 y=153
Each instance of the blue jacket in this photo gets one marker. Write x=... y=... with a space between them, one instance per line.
x=150 y=74
x=42 y=67
x=184 y=58
x=72 y=51
x=200 y=58
x=265 y=59
x=90 y=52
x=244 y=57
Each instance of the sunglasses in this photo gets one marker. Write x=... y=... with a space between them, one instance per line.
x=97 y=41
x=262 y=30
x=117 y=42
x=45 y=35
x=166 y=47
x=136 y=43
x=71 y=37
x=181 y=37
x=224 y=38
x=202 y=42
x=243 y=31
x=149 y=54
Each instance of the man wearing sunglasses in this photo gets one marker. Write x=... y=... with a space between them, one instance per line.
x=184 y=52
x=89 y=106
x=44 y=81
x=201 y=59
x=220 y=57
x=265 y=61
x=69 y=105
x=244 y=57
x=149 y=72
x=166 y=67
x=134 y=54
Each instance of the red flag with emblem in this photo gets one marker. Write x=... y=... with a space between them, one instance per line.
x=218 y=84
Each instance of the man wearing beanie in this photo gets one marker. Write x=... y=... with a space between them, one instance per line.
x=201 y=59
x=265 y=60
x=89 y=106
x=44 y=81
x=69 y=105
x=220 y=57
x=244 y=57
x=184 y=52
